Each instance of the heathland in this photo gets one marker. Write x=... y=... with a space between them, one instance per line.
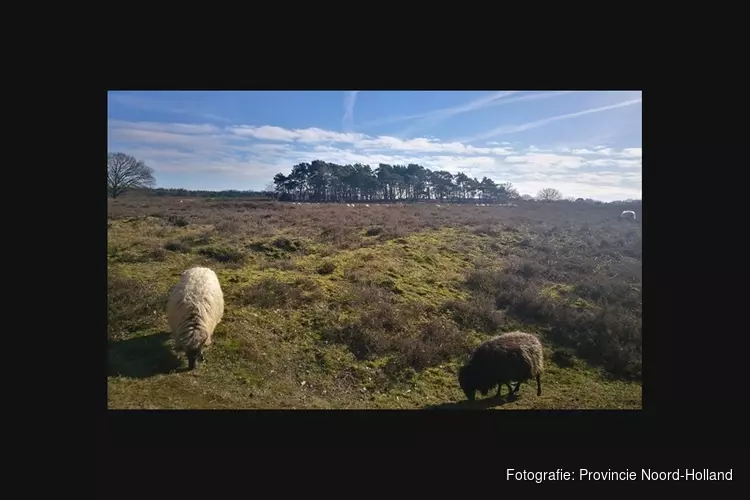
x=374 y=307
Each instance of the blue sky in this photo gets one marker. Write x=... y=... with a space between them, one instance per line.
x=584 y=143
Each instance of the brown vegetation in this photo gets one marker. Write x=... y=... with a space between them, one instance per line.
x=401 y=289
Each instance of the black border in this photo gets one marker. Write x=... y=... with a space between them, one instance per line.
x=690 y=392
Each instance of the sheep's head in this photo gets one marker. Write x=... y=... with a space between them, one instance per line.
x=192 y=356
x=466 y=381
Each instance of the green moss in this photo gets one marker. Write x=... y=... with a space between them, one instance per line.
x=564 y=292
x=416 y=267
x=556 y=290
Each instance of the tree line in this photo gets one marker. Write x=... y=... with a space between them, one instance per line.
x=126 y=173
x=199 y=193
x=322 y=181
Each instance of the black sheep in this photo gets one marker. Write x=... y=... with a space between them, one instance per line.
x=514 y=356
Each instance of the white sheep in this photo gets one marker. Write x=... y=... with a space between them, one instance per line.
x=628 y=214
x=195 y=307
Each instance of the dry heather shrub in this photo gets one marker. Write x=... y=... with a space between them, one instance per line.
x=177 y=220
x=284 y=264
x=326 y=268
x=340 y=236
x=271 y=293
x=179 y=246
x=230 y=227
x=479 y=313
x=134 y=255
x=433 y=342
x=599 y=318
x=411 y=335
x=224 y=253
x=132 y=305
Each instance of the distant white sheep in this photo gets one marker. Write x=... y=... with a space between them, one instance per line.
x=628 y=214
x=194 y=308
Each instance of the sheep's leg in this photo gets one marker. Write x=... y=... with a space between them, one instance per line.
x=191 y=361
x=515 y=391
x=538 y=385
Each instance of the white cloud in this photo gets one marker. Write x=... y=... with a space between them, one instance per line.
x=361 y=141
x=248 y=156
x=176 y=128
x=633 y=152
x=596 y=189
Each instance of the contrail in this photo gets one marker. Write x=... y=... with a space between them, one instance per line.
x=350 y=99
x=511 y=129
x=479 y=103
x=497 y=101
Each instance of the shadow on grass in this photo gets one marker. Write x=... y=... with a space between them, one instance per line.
x=477 y=404
x=142 y=357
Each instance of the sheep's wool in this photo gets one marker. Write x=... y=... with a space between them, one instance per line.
x=195 y=307
x=514 y=356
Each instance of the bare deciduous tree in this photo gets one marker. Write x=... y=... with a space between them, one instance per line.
x=125 y=172
x=510 y=191
x=549 y=194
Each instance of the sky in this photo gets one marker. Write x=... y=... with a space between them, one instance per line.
x=584 y=143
